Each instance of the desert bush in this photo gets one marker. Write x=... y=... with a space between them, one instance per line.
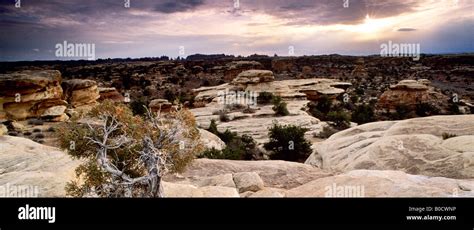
x=237 y=147
x=363 y=114
x=326 y=132
x=139 y=107
x=448 y=135
x=324 y=104
x=125 y=155
x=39 y=136
x=279 y=107
x=264 y=98
x=213 y=127
x=170 y=95
x=27 y=133
x=249 y=110
x=426 y=109
x=288 y=143
x=340 y=118
x=223 y=117
x=453 y=108
x=401 y=112
x=35 y=122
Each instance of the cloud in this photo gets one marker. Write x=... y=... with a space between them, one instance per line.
x=158 y=27
x=406 y=29
x=173 y=6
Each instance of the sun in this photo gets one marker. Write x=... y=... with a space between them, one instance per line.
x=369 y=25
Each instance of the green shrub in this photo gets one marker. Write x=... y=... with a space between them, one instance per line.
x=279 y=107
x=139 y=106
x=326 y=132
x=213 y=127
x=401 y=112
x=363 y=114
x=223 y=117
x=264 y=98
x=237 y=148
x=340 y=118
x=324 y=104
x=288 y=143
x=170 y=95
x=426 y=109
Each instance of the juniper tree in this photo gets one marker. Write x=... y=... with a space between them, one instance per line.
x=125 y=155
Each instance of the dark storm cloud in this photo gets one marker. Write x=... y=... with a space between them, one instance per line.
x=406 y=29
x=172 y=6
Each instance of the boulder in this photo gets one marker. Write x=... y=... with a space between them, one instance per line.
x=383 y=183
x=28 y=94
x=253 y=77
x=24 y=162
x=161 y=105
x=54 y=111
x=248 y=181
x=415 y=146
x=110 y=94
x=3 y=130
x=410 y=93
x=232 y=69
x=80 y=92
x=210 y=140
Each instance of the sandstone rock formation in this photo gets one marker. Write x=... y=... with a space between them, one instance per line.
x=253 y=77
x=161 y=105
x=3 y=130
x=248 y=181
x=359 y=70
x=410 y=93
x=24 y=163
x=80 y=92
x=46 y=170
x=296 y=93
x=110 y=94
x=415 y=146
x=274 y=173
x=29 y=94
x=236 y=67
x=210 y=140
x=375 y=183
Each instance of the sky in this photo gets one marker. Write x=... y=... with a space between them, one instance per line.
x=152 y=28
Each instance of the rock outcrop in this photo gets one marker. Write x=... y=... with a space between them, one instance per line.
x=210 y=140
x=274 y=173
x=161 y=105
x=81 y=92
x=296 y=93
x=110 y=94
x=253 y=77
x=409 y=93
x=415 y=146
x=28 y=94
x=236 y=67
x=375 y=183
x=27 y=164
